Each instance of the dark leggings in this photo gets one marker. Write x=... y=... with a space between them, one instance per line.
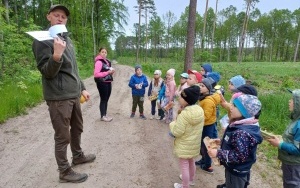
x=153 y=107
x=104 y=89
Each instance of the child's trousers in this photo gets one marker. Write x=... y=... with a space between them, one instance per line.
x=188 y=170
x=137 y=101
x=233 y=181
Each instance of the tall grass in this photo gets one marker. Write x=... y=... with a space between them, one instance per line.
x=25 y=91
x=16 y=97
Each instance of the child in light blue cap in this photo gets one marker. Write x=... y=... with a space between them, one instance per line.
x=183 y=83
x=236 y=82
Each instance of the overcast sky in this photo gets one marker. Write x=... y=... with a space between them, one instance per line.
x=177 y=7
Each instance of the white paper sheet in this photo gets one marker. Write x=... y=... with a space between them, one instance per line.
x=48 y=35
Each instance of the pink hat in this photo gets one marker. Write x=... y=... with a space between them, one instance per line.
x=171 y=72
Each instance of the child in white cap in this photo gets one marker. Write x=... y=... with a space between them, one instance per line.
x=155 y=86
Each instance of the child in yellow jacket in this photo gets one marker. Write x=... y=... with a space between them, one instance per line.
x=208 y=102
x=187 y=130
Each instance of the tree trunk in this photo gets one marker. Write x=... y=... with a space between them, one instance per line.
x=204 y=26
x=6 y=11
x=146 y=30
x=190 y=36
x=297 y=48
x=213 y=33
x=93 y=30
x=242 y=39
x=139 y=34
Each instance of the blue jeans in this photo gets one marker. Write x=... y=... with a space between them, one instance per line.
x=211 y=132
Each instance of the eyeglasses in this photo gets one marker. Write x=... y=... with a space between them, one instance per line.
x=183 y=77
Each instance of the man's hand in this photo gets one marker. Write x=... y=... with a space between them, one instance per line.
x=59 y=47
x=86 y=95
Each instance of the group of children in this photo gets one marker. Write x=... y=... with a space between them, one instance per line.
x=199 y=97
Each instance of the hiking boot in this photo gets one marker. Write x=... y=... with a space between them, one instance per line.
x=177 y=185
x=191 y=183
x=70 y=175
x=222 y=186
x=143 y=117
x=132 y=115
x=83 y=159
x=208 y=170
x=106 y=119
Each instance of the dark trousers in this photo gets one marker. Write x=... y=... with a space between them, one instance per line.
x=290 y=175
x=211 y=132
x=153 y=107
x=160 y=111
x=233 y=181
x=65 y=114
x=104 y=89
x=137 y=101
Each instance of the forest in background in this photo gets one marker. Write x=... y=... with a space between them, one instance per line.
x=91 y=24
x=271 y=37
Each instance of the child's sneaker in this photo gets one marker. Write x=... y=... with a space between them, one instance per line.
x=143 y=117
x=132 y=115
x=208 y=170
x=177 y=185
x=158 y=118
x=106 y=119
x=152 y=117
x=191 y=183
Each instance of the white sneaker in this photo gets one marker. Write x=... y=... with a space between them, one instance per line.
x=106 y=119
x=152 y=117
x=177 y=185
x=191 y=183
x=158 y=118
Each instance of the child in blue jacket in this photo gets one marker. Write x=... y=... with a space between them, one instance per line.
x=138 y=82
x=161 y=96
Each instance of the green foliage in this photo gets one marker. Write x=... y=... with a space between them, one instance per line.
x=17 y=97
x=17 y=54
x=275 y=113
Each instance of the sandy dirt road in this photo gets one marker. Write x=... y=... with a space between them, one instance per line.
x=130 y=152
